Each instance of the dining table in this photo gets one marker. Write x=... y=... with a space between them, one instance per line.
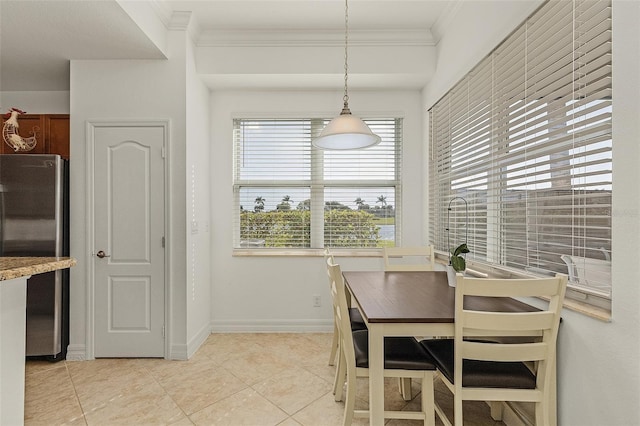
x=408 y=303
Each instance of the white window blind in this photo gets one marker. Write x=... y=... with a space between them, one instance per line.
x=525 y=139
x=291 y=195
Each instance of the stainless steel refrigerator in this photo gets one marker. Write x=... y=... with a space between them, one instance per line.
x=34 y=221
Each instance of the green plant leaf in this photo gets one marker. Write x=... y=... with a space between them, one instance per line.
x=462 y=248
x=458 y=263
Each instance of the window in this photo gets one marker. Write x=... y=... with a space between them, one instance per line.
x=289 y=194
x=525 y=139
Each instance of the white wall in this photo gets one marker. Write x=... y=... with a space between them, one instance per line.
x=52 y=102
x=139 y=90
x=275 y=293
x=298 y=60
x=475 y=29
x=598 y=367
x=131 y=90
x=198 y=194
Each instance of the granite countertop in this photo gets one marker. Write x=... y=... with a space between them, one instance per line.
x=16 y=267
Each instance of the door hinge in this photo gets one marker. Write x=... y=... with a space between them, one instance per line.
x=162 y=242
x=164 y=152
x=163 y=330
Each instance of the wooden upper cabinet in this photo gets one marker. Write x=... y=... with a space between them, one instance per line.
x=57 y=134
x=51 y=130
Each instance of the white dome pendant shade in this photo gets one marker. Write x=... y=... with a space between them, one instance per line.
x=346 y=131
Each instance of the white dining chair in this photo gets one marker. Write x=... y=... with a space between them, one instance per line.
x=420 y=258
x=356 y=321
x=335 y=344
x=404 y=357
x=409 y=258
x=484 y=362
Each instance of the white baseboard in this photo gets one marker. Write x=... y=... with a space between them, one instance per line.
x=182 y=352
x=76 y=352
x=194 y=344
x=272 y=326
x=178 y=352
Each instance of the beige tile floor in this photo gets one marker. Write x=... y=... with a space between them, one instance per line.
x=233 y=379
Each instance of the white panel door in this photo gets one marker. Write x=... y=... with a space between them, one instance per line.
x=129 y=211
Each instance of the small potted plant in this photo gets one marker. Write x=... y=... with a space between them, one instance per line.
x=457 y=263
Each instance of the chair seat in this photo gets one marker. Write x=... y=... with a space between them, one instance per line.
x=400 y=353
x=485 y=374
x=357 y=322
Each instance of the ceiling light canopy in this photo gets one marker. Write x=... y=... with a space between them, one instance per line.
x=346 y=131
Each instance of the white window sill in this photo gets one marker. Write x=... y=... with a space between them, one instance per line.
x=571 y=303
x=276 y=252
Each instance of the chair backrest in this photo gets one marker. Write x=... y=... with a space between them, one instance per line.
x=328 y=255
x=539 y=329
x=339 y=296
x=329 y=260
x=408 y=258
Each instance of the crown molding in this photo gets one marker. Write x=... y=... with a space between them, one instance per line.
x=296 y=38
x=179 y=20
x=176 y=20
x=445 y=19
x=162 y=10
x=184 y=21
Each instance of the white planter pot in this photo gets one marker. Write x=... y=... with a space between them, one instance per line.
x=451 y=276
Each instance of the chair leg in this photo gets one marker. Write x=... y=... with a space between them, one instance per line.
x=334 y=345
x=404 y=387
x=543 y=414
x=341 y=376
x=497 y=410
x=427 y=400
x=336 y=378
x=350 y=400
x=457 y=410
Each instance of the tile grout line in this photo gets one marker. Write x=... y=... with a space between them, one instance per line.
x=75 y=392
x=148 y=372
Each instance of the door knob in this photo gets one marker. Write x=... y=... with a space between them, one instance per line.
x=101 y=254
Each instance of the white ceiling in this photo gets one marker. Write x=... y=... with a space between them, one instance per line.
x=312 y=15
x=39 y=37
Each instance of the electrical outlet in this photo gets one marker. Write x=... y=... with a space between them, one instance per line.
x=317 y=302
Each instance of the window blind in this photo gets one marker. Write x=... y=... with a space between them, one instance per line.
x=525 y=139
x=291 y=195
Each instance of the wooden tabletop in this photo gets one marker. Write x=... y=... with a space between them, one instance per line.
x=415 y=297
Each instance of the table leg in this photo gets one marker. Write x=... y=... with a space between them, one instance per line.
x=376 y=375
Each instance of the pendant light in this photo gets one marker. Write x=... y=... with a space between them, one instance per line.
x=346 y=131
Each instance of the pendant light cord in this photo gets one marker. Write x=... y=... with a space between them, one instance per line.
x=345 y=109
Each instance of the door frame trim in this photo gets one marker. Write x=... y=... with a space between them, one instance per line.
x=90 y=128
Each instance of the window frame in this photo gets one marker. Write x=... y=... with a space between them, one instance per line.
x=317 y=184
x=494 y=264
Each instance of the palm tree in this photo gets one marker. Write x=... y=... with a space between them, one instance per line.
x=259 y=204
x=304 y=205
x=359 y=202
x=285 y=204
x=383 y=201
